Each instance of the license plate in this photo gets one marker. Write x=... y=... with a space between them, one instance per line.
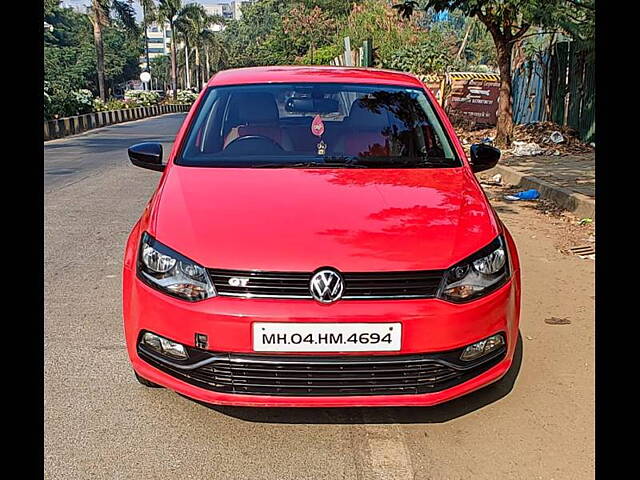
x=326 y=337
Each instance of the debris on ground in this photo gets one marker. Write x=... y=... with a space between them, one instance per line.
x=524 y=149
x=496 y=180
x=584 y=251
x=532 y=194
x=567 y=226
x=585 y=221
x=556 y=137
x=544 y=134
x=557 y=321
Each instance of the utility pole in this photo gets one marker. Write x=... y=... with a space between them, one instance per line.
x=146 y=38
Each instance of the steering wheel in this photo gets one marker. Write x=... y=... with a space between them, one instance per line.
x=253 y=145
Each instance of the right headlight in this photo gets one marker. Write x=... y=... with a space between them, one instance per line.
x=477 y=275
x=172 y=273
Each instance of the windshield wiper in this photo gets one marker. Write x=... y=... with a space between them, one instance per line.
x=310 y=164
x=395 y=162
x=365 y=162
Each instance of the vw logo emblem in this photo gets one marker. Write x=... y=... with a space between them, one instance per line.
x=326 y=286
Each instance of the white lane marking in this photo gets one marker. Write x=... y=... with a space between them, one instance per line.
x=386 y=456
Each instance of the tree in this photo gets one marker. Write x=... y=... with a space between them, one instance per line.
x=507 y=21
x=214 y=51
x=258 y=38
x=194 y=24
x=578 y=20
x=100 y=13
x=168 y=10
x=161 y=68
x=308 y=28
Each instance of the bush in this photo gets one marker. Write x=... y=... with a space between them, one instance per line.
x=142 y=98
x=322 y=56
x=66 y=103
x=112 y=104
x=186 y=97
x=427 y=57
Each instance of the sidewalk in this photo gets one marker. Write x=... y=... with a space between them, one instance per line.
x=569 y=180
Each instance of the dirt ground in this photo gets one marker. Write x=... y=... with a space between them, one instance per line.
x=564 y=228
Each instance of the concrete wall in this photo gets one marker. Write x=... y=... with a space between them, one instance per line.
x=63 y=127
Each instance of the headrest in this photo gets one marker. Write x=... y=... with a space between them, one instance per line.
x=362 y=117
x=254 y=108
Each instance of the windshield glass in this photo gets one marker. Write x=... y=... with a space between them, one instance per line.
x=317 y=125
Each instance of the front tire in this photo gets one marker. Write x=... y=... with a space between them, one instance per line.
x=146 y=383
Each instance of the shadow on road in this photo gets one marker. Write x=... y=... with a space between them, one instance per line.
x=436 y=414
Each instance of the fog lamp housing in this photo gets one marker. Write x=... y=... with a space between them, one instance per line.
x=483 y=347
x=164 y=346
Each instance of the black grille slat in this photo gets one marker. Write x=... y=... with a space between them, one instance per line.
x=357 y=285
x=408 y=369
x=328 y=375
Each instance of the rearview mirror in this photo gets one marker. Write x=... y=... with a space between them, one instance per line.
x=311 y=105
x=483 y=157
x=147 y=155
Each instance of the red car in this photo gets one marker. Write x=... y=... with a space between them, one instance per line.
x=318 y=238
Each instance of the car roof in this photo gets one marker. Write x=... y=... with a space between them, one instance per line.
x=316 y=74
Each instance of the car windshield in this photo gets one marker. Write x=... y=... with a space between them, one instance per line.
x=315 y=125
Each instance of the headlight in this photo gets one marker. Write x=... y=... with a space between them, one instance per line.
x=477 y=275
x=172 y=273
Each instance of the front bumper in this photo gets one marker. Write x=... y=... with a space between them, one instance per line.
x=429 y=326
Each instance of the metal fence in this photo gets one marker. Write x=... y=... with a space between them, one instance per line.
x=558 y=86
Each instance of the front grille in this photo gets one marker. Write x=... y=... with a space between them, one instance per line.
x=324 y=375
x=358 y=285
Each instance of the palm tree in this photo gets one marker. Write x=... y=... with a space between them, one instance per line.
x=191 y=22
x=214 y=52
x=100 y=13
x=209 y=43
x=184 y=33
x=168 y=11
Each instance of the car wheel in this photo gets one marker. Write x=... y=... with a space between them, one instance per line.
x=146 y=382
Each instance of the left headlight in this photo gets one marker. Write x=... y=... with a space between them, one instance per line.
x=168 y=271
x=478 y=275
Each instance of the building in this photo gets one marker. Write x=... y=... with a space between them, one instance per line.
x=159 y=41
x=222 y=10
x=159 y=36
x=229 y=11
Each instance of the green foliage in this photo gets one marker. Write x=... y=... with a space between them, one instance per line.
x=322 y=56
x=376 y=19
x=111 y=104
x=334 y=8
x=142 y=98
x=307 y=29
x=161 y=69
x=186 y=97
x=70 y=60
x=429 y=56
x=578 y=20
x=258 y=38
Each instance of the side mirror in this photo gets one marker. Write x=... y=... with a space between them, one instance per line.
x=147 y=155
x=483 y=157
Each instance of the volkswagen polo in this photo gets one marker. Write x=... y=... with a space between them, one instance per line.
x=318 y=238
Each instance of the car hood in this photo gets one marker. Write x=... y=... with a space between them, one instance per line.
x=301 y=219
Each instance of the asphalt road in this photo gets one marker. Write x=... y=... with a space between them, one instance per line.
x=101 y=424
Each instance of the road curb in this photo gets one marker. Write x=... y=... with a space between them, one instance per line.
x=580 y=205
x=67 y=126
